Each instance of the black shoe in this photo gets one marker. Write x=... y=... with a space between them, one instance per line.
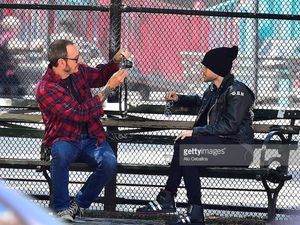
x=194 y=217
x=164 y=203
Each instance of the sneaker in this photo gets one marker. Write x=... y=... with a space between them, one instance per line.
x=76 y=210
x=65 y=215
x=70 y=213
x=194 y=216
x=164 y=203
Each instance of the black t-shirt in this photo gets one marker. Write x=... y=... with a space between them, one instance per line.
x=69 y=83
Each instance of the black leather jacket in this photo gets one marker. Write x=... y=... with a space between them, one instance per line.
x=225 y=111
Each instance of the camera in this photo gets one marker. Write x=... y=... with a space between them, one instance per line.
x=125 y=63
x=45 y=153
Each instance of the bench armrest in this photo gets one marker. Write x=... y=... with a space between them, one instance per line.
x=279 y=164
x=45 y=153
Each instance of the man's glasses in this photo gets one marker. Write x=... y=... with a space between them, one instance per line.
x=74 y=59
x=168 y=106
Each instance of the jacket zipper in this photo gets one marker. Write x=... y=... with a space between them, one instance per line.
x=210 y=110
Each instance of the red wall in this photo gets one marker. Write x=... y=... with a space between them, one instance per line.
x=159 y=39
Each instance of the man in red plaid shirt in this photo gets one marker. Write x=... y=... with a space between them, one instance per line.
x=73 y=129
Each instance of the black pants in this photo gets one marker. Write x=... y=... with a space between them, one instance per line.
x=190 y=174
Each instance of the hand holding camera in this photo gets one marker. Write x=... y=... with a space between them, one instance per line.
x=117 y=78
x=113 y=82
x=121 y=58
x=125 y=63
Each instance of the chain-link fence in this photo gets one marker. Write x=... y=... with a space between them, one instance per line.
x=167 y=39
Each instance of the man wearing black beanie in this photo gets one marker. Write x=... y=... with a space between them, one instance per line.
x=225 y=117
x=219 y=60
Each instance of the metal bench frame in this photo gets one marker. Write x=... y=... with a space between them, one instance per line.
x=264 y=173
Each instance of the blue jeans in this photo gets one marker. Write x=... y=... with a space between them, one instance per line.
x=85 y=150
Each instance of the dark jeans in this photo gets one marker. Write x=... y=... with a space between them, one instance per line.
x=190 y=174
x=85 y=150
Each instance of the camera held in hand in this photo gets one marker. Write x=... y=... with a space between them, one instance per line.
x=125 y=63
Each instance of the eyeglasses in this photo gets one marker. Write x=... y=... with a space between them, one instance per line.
x=168 y=106
x=74 y=59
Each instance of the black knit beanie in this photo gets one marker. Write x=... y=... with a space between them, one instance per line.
x=219 y=60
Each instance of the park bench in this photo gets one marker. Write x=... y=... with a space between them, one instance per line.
x=18 y=117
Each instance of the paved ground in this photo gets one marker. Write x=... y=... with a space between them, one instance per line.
x=106 y=221
x=216 y=221
x=118 y=218
x=211 y=221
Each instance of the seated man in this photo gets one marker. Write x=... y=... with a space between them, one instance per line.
x=73 y=130
x=225 y=117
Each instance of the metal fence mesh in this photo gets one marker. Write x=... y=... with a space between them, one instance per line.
x=167 y=48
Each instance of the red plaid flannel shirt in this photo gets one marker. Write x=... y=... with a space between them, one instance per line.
x=62 y=113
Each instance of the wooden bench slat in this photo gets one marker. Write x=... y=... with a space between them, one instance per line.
x=155 y=124
x=225 y=172
x=26 y=118
x=259 y=114
x=130 y=123
x=21 y=132
x=18 y=103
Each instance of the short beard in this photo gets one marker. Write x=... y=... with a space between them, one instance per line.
x=67 y=69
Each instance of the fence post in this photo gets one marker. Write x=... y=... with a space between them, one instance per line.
x=110 y=199
x=114 y=36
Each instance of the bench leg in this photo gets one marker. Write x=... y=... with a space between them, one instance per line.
x=272 y=198
x=110 y=193
x=49 y=181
